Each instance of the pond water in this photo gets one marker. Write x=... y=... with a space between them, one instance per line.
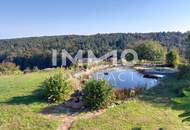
x=125 y=78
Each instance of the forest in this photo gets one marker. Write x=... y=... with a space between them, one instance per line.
x=37 y=51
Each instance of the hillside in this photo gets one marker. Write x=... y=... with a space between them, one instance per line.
x=36 y=51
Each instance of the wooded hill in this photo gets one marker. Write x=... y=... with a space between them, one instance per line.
x=36 y=51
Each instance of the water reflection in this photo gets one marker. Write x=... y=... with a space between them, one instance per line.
x=125 y=78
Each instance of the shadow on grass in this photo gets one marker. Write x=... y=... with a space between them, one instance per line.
x=136 y=128
x=37 y=96
x=61 y=109
x=168 y=89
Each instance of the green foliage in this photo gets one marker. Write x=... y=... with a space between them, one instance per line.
x=172 y=58
x=36 y=51
x=97 y=94
x=187 y=51
x=150 y=50
x=185 y=103
x=26 y=114
x=58 y=88
x=183 y=71
x=7 y=68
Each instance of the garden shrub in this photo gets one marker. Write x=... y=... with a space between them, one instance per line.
x=58 y=89
x=97 y=94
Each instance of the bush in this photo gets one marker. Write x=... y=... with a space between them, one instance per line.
x=97 y=94
x=58 y=88
x=172 y=58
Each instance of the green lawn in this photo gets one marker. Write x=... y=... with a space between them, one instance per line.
x=154 y=111
x=134 y=115
x=21 y=108
x=20 y=104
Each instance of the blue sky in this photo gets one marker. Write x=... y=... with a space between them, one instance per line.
x=22 y=18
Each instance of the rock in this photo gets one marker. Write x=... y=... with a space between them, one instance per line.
x=74 y=105
x=78 y=105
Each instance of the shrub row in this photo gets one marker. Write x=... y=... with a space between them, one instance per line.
x=96 y=94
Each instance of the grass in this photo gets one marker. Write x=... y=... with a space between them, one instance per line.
x=170 y=87
x=21 y=108
x=20 y=104
x=134 y=115
x=152 y=112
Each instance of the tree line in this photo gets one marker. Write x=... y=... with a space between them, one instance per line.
x=37 y=51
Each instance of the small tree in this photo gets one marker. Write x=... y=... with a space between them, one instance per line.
x=97 y=94
x=172 y=58
x=58 y=88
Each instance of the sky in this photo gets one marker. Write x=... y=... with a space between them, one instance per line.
x=26 y=18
